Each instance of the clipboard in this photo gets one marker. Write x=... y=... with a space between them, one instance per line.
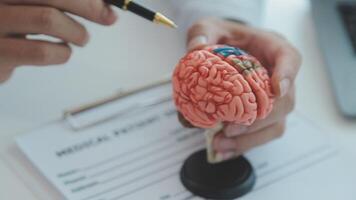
x=71 y=116
x=30 y=176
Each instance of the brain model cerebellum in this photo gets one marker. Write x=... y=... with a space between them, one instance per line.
x=221 y=84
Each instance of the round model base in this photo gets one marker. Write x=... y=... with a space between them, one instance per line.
x=227 y=180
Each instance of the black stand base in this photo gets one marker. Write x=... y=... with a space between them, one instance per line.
x=227 y=180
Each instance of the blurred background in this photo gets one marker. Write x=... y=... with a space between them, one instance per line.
x=36 y=96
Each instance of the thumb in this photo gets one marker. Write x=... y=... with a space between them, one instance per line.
x=285 y=70
x=202 y=33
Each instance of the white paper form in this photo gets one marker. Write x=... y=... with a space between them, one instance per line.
x=138 y=156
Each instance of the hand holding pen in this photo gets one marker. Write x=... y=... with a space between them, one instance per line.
x=19 y=19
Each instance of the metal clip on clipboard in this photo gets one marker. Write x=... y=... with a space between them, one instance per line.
x=77 y=120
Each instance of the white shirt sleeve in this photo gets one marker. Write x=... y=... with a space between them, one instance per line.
x=188 y=11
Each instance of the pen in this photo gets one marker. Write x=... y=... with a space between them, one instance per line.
x=143 y=12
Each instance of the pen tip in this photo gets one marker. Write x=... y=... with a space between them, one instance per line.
x=161 y=19
x=174 y=25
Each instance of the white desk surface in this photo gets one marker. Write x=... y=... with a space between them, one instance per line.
x=135 y=52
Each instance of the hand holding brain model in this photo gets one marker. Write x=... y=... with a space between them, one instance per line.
x=230 y=93
x=220 y=84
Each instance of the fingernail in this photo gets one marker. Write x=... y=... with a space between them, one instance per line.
x=221 y=156
x=86 y=39
x=234 y=130
x=108 y=16
x=284 y=86
x=216 y=142
x=106 y=13
x=197 y=42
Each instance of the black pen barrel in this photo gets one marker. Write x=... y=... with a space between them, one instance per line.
x=142 y=11
x=118 y=3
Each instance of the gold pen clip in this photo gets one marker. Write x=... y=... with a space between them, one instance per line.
x=126 y=3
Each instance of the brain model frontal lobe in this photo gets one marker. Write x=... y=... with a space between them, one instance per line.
x=221 y=84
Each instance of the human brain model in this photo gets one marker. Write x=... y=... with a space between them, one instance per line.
x=221 y=84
